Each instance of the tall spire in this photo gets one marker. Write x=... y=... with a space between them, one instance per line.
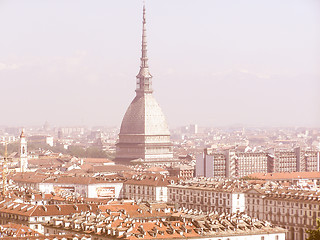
x=144 y=84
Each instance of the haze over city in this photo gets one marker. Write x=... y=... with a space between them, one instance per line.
x=214 y=63
x=135 y=119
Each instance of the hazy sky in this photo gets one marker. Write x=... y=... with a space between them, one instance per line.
x=214 y=62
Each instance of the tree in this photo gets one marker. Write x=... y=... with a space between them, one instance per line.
x=314 y=234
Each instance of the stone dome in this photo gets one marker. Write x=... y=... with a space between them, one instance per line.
x=144 y=116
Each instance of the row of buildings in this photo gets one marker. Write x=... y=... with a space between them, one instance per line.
x=129 y=220
x=146 y=187
x=293 y=207
x=237 y=164
x=132 y=220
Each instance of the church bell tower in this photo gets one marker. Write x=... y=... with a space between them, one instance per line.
x=23 y=152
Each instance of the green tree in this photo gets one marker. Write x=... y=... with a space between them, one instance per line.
x=77 y=151
x=314 y=234
x=11 y=147
x=249 y=178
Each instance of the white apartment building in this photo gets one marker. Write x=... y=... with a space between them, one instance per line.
x=147 y=188
x=207 y=196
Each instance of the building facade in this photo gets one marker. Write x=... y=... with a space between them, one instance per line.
x=208 y=196
x=147 y=188
x=295 y=210
x=295 y=160
x=238 y=164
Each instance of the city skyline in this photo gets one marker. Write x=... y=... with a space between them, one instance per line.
x=75 y=63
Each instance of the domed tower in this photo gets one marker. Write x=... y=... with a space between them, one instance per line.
x=144 y=135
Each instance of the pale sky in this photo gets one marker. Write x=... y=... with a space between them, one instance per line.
x=214 y=62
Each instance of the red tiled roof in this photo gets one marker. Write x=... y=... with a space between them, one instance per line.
x=83 y=180
x=97 y=160
x=48 y=210
x=17 y=230
x=286 y=175
x=29 y=177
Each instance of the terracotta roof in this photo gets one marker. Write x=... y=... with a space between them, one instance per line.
x=85 y=180
x=29 y=177
x=134 y=210
x=48 y=210
x=50 y=237
x=16 y=230
x=97 y=160
x=41 y=162
x=150 y=180
x=286 y=175
x=156 y=169
x=109 y=168
x=180 y=225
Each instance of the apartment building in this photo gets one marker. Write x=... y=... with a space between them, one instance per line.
x=294 y=160
x=237 y=164
x=230 y=164
x=207 y=195
x=147 y=188
x=293 y=209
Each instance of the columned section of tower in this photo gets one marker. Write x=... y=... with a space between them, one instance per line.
x=144 y=135
x=23 y=153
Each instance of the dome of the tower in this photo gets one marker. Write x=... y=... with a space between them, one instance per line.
x=144 y=116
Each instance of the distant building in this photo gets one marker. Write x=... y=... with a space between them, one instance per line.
x=7 y=139
x=70 y=131
x=41 y=139
x=183 y=171
x=238 y=164
x=296 y=160
x=190 y=129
